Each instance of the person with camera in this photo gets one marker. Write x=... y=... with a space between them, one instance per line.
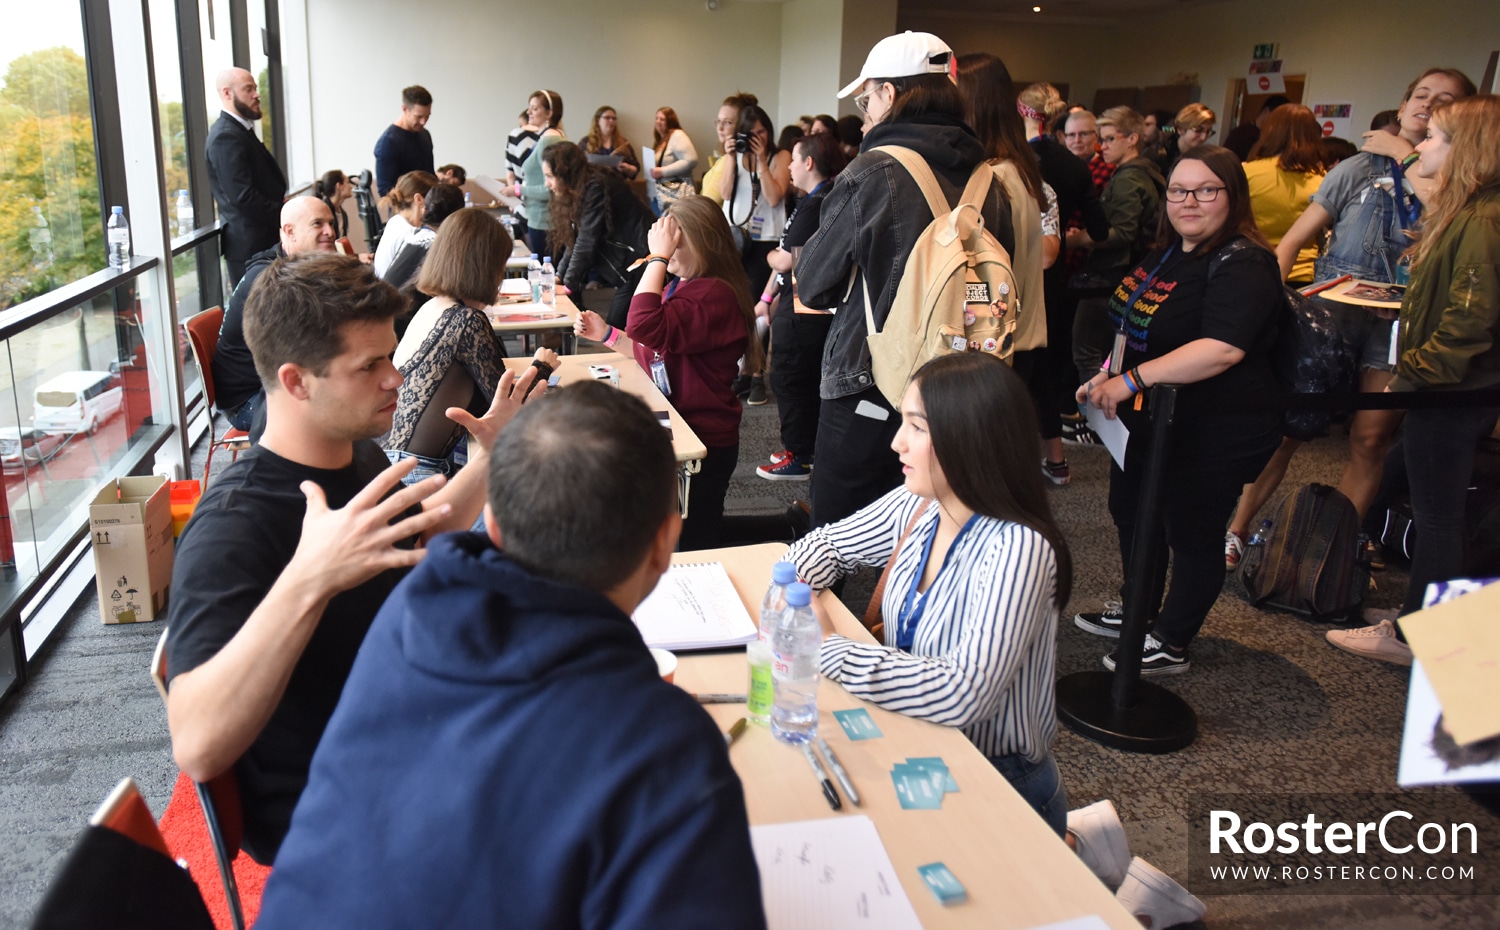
x=755 y=189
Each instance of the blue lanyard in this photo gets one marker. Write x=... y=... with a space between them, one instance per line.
x=1408 y=207
x=1141 y=288
x=911 y=611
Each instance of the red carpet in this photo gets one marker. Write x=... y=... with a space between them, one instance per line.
x=187 y=837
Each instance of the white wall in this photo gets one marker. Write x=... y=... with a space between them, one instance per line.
x=865 y=23
x=481 y=59
x=1352 y=51
x=809 y=59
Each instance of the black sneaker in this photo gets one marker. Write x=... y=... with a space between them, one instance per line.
x=757 y=393
x=1103 y=623
x=1079 y=434
x=1157 y=659
x=741 y=385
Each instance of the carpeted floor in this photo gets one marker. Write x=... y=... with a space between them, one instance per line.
x=1279 y=709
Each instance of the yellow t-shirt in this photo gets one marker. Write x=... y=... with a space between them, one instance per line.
x=710 y=186
x=1277 y=198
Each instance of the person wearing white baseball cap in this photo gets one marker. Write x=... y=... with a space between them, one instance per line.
x=871 y=218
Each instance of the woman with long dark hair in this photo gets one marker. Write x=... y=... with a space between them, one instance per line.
x=675 y=159
x=605 y=138
x=977 y=575
x=1450 y=341
x=1200 y=310
x=871 y=217
x=598 y=226
x=689 y=335
x=990 y=105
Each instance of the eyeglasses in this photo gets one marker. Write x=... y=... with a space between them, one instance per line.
x=863 y=101
x=1110 y=140
x=1202 y=194
x=723 y=123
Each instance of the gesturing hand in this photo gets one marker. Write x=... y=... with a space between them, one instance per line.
x=591 y=325
x=664 y=236
x=341 y=549
x=1110 y=395
x=510 y=394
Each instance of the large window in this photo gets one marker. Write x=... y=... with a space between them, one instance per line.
x=168 y=78
x=51 y=230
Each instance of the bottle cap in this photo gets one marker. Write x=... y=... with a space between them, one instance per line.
x=784 y=573
x=798 y=594
x=117 y=209
x=548 y=259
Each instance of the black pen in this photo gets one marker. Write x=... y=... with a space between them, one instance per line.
x=828 y=790
x=720 y=698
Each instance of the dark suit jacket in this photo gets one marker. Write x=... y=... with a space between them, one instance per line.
x=247 y=185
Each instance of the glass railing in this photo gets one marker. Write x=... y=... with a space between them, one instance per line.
x=83 y=399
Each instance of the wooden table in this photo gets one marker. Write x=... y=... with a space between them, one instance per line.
x=558 y=319
x=689 y=449
x=1017 y=872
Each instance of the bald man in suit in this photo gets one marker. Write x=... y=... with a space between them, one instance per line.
x=247 y=183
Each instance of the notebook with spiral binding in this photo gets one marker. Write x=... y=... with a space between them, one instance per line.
x=695 y=606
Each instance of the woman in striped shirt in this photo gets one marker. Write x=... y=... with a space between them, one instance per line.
x=975 y=582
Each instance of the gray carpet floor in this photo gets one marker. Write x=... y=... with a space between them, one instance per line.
x=1279 y=709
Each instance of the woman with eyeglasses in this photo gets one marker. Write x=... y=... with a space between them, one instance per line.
x=1194 y=124
x=605 y=138
x=1200 y=310
x=870 y=220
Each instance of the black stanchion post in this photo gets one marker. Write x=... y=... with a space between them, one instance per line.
x=1116 y=708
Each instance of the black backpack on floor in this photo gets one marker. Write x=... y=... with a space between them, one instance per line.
x=1316 y=563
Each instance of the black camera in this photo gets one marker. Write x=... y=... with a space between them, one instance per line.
x=742 y=142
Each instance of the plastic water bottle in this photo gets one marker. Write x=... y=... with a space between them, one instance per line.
x=794 y=669
x=774 y=603
x=534 y=278
x=1263 y=535
x=119 y=238
x=509 y=222
x=468 y=199
x=549 y=282
x=185 y=223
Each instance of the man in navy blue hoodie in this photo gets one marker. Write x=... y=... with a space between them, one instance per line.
x=505 y=753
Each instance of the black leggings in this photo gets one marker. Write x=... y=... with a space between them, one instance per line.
x=1198 y=497
x=706 y=499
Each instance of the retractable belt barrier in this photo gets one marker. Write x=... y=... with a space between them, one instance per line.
x=1117 y=709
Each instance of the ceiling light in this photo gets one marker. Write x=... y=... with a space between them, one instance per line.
x=1036 y=9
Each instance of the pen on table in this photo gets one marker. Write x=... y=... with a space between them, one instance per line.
x=720 y=698
x=735 y=730
x=838 y=771
x=1320 y=288
x=829 y=791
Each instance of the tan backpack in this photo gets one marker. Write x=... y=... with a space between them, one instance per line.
x=957 y=292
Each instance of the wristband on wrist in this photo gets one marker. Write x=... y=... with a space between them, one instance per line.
x=1130 y=383
x=1140 y=382
x=766 y=298
x=653 y=257
x=612 y=337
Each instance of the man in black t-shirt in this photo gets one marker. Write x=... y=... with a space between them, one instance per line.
x=293 y=549
x=306 y=226
x=406 y=145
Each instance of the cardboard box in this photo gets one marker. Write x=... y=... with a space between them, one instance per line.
x=130 y=521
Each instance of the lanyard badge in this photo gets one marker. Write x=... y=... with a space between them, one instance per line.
x=659 y=375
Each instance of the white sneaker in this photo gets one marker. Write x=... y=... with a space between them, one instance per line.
x=1100 y=842
x=1373 y=642
x=1149 y=892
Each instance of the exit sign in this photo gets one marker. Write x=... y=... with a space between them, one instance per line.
x=1265 y=52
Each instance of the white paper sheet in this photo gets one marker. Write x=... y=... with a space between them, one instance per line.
x=1419 y=765
x=1091 y=922
x=487 y=184
x=648 y=161
x=1112 y=433
x=695 y=607
x=826 y=874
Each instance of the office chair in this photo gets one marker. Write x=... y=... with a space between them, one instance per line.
x=369 y=210
x=203 y=335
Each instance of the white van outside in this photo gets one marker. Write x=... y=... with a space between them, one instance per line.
x=75 y=401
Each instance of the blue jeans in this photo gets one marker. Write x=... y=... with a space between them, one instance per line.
x=243 y=416
x=426 y=465
x=1040 y=783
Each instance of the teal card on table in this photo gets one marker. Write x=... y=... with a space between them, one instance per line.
x=857 y=724
x=915 y=789
x=942 y=883
x=936 y=764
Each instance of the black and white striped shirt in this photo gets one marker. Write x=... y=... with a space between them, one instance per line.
x=984 y=650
